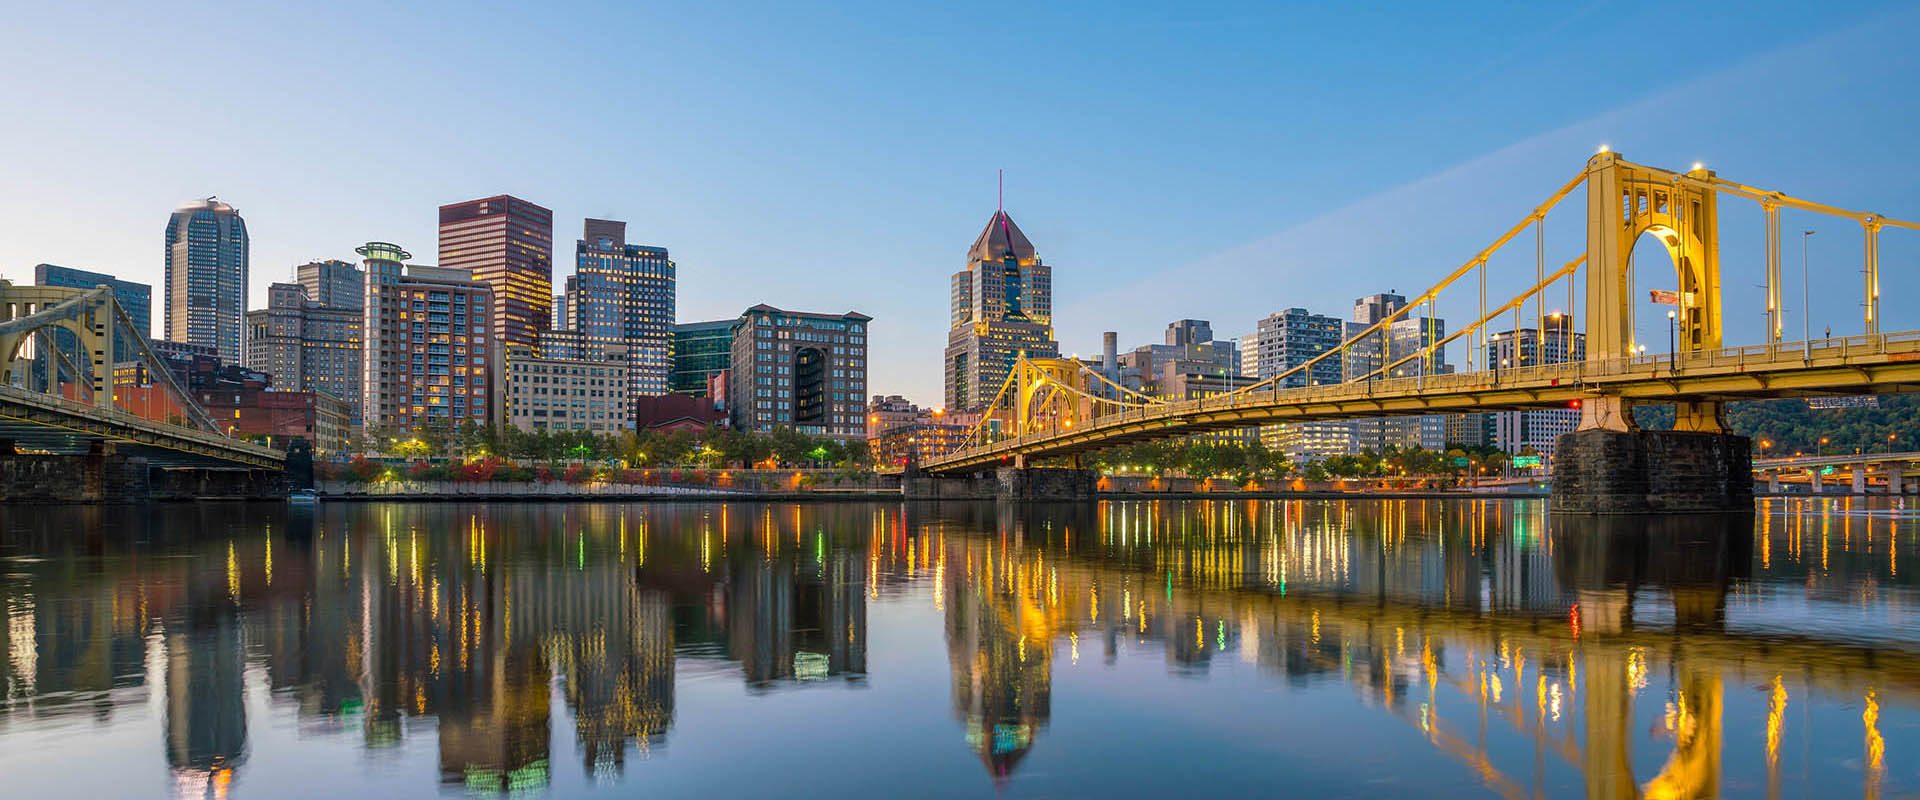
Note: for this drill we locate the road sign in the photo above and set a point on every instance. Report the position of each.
(1459, 461)
(1526, 461)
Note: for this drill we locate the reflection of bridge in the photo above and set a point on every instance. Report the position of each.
(64, 390)
(1055, 408)
(1554, 638)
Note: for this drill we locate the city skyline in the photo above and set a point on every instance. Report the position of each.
(1128, 220)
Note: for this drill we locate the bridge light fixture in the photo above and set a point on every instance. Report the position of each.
(1605, 149)
(1697, 166)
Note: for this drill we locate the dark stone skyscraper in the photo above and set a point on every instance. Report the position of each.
(206, 276)
(1002, 309)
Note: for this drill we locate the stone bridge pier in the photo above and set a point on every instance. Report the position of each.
(1599, 471)
(1016, 483)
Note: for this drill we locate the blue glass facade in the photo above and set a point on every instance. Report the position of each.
(136, 298)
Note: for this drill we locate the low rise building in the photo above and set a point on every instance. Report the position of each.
(279, 417)
(566, 394)
(916, 443)
(677, 412)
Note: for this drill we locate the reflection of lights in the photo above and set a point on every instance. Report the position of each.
(1776, 717)
(1876, 745)
(233, 573)
(1553, 704)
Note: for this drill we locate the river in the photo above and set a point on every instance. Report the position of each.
(1338, 648)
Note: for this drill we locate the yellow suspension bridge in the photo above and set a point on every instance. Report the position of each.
(1057, 408)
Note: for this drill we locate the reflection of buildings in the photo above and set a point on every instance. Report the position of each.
(797, 616)
(206, 716)
(1448, 617)
(1000, 644)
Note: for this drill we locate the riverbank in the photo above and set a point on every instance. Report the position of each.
(565, 492)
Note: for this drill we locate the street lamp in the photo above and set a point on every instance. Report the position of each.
(1890, 438)
(1673, 348)
(1822, 449)
(1806, 310)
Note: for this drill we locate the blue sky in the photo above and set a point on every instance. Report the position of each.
(1218, 161)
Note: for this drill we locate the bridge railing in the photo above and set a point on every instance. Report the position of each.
(1833, 350)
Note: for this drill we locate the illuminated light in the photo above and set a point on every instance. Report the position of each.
(1605, 149)
(1697, 166)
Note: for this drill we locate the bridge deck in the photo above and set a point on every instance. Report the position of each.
(1882, 363)
(36, 421)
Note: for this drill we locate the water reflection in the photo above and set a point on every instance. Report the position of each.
(1672, 657)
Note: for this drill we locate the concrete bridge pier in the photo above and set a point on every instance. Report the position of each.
(1859, 479)
(1813, 476)
(1773, 481)
(1896, 478)
(1603, 471)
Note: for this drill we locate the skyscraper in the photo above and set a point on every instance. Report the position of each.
(622, 296)
(1399, 339)
(307, 346)
(1554, 342)
(1002, 309)
(507, 244)
(428, 353)
(701, 350)
(206, 276)
(334, 284)
(1288, 340)
(793, 369)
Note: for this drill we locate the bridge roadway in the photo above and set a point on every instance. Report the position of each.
(1878, 363)
(34, 421)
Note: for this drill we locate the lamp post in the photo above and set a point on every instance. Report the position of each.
(1673, 348)
(1822, 449)
(1806, 294)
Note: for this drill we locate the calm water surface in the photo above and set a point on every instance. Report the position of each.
(1264, 648)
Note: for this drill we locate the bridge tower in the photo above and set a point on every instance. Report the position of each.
(1624, 202)
(87, 314)
(1609, 465)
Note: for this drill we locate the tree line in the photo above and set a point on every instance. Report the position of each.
(712, 448)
